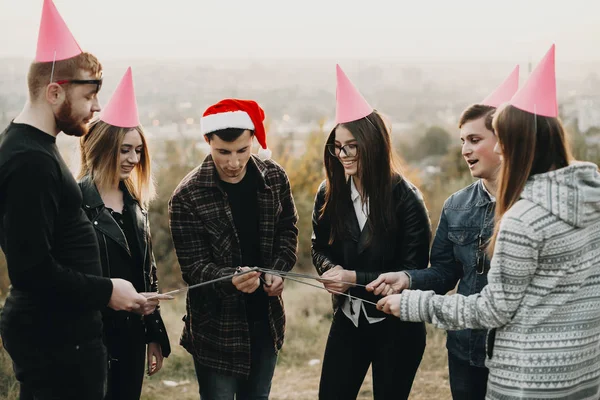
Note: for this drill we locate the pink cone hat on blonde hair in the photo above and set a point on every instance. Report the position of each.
(121, 109)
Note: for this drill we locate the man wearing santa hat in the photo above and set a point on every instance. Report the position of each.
(51, 324)
(233, 212)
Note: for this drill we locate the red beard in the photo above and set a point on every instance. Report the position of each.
(67, 124)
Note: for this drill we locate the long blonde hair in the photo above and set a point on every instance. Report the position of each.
(531, 144)
(100, 152)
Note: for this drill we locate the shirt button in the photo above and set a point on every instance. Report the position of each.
(95, 222)
(77, 347)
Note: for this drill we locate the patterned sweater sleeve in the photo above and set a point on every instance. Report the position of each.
(512, 268)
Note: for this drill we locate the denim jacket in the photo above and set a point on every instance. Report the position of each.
(458, 253)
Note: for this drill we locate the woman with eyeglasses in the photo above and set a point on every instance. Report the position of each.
(116, 184)
(367, 220)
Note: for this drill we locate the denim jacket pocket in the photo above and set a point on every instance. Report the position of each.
(465, 245)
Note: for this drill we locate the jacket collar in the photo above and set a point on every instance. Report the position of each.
(91, 195)
(483, 197)
(89, 191)
(105, 223)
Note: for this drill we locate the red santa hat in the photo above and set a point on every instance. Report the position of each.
(235, 113)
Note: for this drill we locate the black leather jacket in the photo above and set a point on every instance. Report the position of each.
(407, 248)
(108, 230)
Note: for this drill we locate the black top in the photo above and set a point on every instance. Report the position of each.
(243, 202)
(126, 263)
(50, 245)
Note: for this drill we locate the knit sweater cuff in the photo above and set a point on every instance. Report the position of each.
(414, 305)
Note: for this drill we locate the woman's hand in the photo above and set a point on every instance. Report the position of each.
(155, 358)
(390, 305)
(338, 279)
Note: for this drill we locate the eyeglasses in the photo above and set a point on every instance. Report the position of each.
(97, 82)
(350, 150)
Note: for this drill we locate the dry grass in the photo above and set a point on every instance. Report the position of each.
(308, 313)
(309, 317)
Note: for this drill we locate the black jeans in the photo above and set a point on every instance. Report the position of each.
(125, 340)
(45, 372)
(217, 386)
(467, 382)
(393, 347)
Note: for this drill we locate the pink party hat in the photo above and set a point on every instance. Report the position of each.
(538, 95)
(351, 106)
(505, 91)
(121, 109)
(55, 40)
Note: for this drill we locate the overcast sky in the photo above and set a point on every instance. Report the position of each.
(444, 30)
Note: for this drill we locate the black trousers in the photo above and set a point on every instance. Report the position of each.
(126, 344)
(467, 382)
(58, 373)
(393, 347)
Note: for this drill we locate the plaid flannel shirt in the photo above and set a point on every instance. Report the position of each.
(216, 330)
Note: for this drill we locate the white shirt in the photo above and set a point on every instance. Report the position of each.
(353, 307)
(492, 198)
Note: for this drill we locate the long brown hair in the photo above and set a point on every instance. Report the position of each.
(100, 152)
(378, 165)
(530, 144)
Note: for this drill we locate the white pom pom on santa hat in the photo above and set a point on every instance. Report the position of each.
(264, 154)
(236, 113)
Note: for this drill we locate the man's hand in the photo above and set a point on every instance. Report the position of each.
(390, 305)
(125, 298)
(155, 358)
(389, 283)
(332, 279)
(273, 285)
(152, 300)
(247, 283)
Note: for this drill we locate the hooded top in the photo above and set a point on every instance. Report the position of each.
(572, 194)
(543, 292)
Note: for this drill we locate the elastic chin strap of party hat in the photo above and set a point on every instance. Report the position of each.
(53, 63)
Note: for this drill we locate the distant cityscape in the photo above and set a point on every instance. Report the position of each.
(299, 96)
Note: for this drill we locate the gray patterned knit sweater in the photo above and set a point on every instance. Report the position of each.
(543, 292)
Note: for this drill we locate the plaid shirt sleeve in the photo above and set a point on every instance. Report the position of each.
(193, 249)
(286, 231)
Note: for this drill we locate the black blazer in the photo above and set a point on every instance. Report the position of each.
(108, 230)
(406, 248)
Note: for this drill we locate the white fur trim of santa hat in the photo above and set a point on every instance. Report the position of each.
(232, 119)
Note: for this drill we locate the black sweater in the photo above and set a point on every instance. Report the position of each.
(50, 245)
